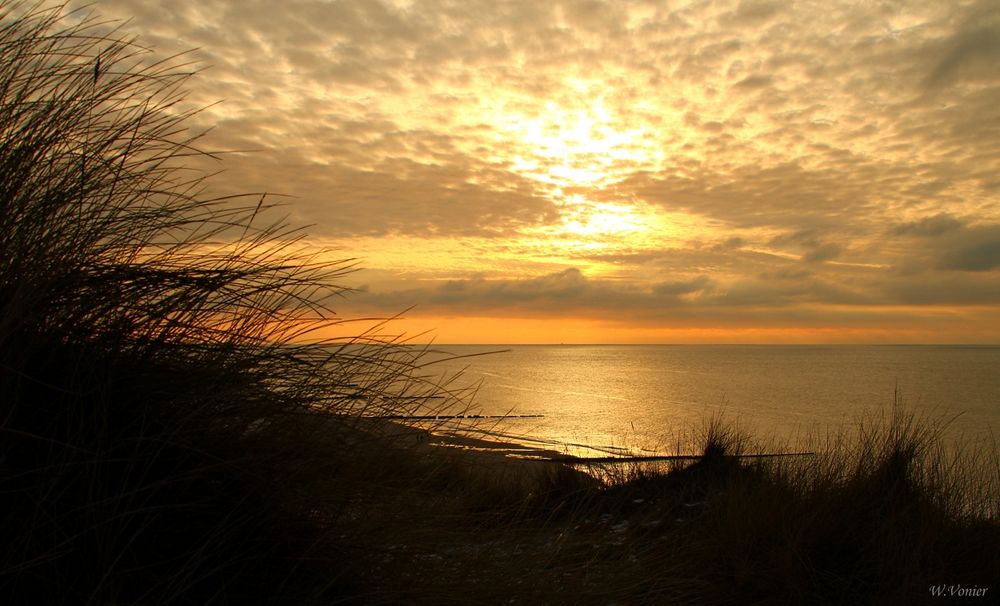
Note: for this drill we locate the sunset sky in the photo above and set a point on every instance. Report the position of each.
(588, 171)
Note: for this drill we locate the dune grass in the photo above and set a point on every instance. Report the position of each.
(879, 515)
(151, 345)
(166, 437)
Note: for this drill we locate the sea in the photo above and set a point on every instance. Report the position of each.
(657, 399)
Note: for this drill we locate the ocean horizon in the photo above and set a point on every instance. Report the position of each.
(654, 398)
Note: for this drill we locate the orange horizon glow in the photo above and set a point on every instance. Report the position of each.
(491, 330)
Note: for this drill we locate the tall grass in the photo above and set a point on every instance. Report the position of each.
(881, 515)
(152, 355)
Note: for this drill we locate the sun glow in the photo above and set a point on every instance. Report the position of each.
(577, 142)
(586, 227)
(584, 218)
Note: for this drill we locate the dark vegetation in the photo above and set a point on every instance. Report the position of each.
(165, 440)
(148, 365)
(877, 518)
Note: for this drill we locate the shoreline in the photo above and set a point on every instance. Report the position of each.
(436, 438)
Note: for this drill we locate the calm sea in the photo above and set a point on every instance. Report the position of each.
(653, 397)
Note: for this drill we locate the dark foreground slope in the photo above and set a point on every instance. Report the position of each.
(878, 518)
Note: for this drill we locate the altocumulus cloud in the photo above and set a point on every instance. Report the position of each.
(811, 115)
(843, 156)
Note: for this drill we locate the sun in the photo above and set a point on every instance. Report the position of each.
(576, 145)
(584, 218)
(585, 228)
(578, 140)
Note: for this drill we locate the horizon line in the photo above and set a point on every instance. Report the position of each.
(721, 344)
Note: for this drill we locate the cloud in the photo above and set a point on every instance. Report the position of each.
(971, 52)
(939, 288)
(936, 225)
(847, 127)
(730, 243)
(755, 81)
(978, 249)
(570, 292)
(566, 289)
(754, 12)
(782, 155)
(683, 287)
(947, 243)
(823, 252)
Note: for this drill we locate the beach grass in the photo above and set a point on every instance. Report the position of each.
(169, 436)
(880, 515)
(152, 344)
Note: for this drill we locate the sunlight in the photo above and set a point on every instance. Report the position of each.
(586, 228)
(575, 143)
(580, 140)
(585, 218)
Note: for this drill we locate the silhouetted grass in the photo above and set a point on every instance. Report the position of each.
(871, 519)
(151, 364)
(877, 516)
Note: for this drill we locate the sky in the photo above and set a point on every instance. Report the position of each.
(620, 172)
